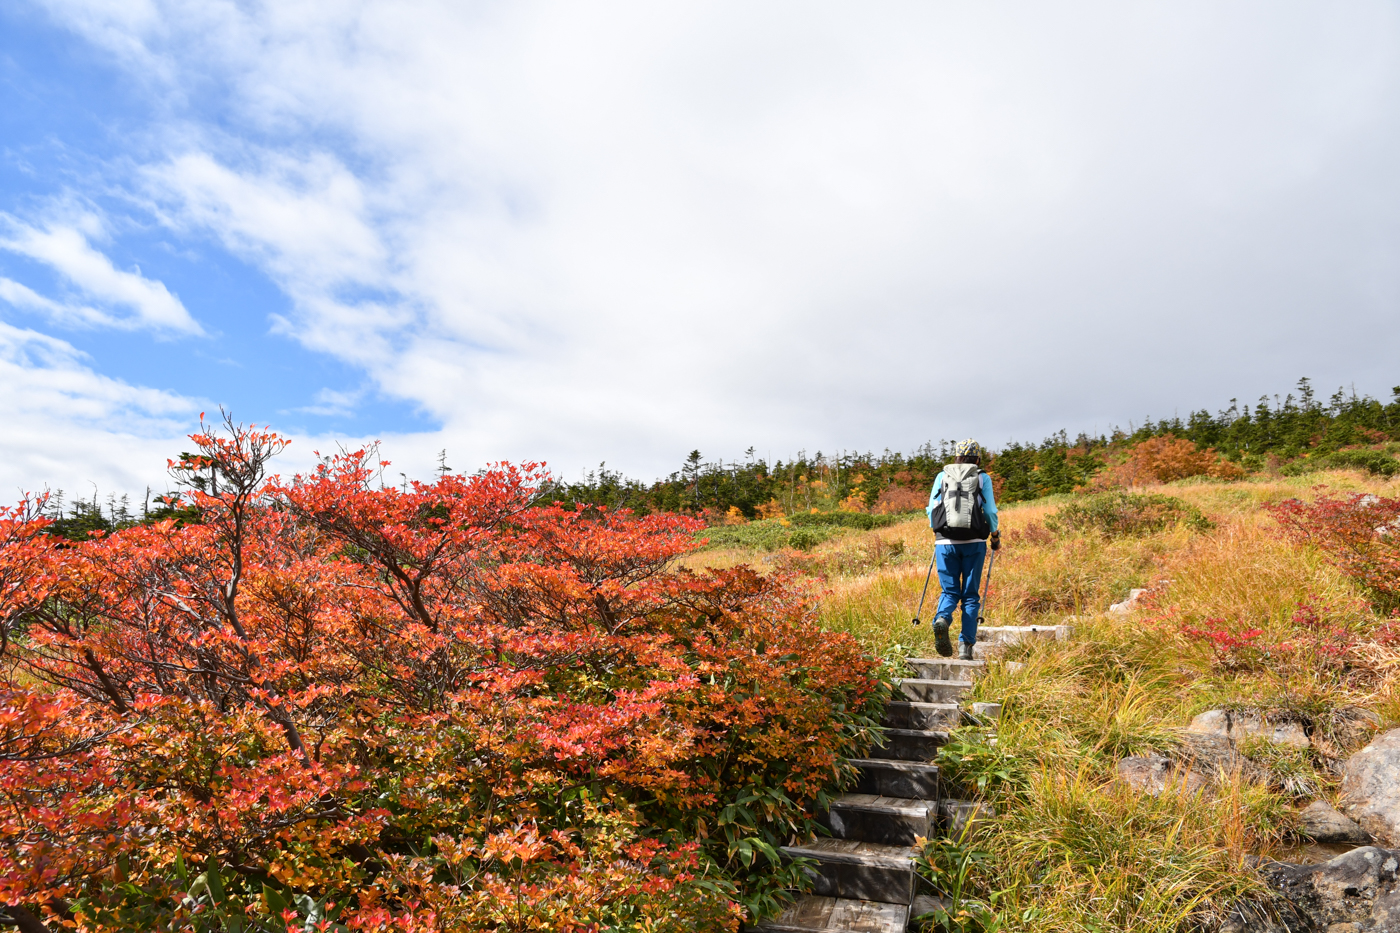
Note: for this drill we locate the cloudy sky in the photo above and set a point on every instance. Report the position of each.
(580, 232)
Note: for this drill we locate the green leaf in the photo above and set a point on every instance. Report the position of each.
(274, 900)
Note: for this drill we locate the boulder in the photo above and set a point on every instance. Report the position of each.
(1346, 889)
(1211, 722)
(1240, 726)
(1213, 755)
(1323, 823)
(1371, 788)
(1385, 915)
(1128, 604)
(1153, 774)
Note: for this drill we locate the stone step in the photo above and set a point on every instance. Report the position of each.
(910, 715)
(911, 744)
(945, 668)
(898, 778)
(864, 871)
(954, 816)
(934, 691)
(893, 821)
(815, 914)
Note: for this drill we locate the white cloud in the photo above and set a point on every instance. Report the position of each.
(624, 230)
(68, 426)
(130, 301)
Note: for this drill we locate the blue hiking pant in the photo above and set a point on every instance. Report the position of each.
(960, 576)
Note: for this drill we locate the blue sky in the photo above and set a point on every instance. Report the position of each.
(619, 231)
(74, 125)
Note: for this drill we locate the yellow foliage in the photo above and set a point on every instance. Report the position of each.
(770, 509)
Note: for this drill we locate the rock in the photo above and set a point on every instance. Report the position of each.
(1371, 788)
(1240, 726)
(1128, 604)
(1215, 755)
(1344, 928)
(1153, 774)
(1346, 889)
(1323, 823)
(1247, 725)
(989, 712)
(1211, 722)
(1352, 725)
(1385, 915)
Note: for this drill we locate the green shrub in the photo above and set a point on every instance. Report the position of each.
(803, 531)
(1119, 514)
(1376, 462)
(862, 520)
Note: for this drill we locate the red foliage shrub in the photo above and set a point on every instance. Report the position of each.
(1359, 534)
(1232, 648)
(894, 499)
(445, 708)
(1163, 459)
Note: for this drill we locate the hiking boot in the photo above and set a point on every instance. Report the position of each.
(940, 638)
(964, 651)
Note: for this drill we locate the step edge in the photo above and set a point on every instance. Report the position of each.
(893, 862)
(775, 927)
(897, 764)
(912, 806)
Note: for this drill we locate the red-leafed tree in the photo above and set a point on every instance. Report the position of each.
(447, 707)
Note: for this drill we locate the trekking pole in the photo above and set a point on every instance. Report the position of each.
(986, 591)
(928, 577)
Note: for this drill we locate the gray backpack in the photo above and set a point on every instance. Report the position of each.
(960, 515)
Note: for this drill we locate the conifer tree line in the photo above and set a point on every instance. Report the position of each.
(1292, 433)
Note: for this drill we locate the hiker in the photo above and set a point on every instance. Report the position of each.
(963, 515)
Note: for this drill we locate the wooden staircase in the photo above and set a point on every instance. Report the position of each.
(863, 873)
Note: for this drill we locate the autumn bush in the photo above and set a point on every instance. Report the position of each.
(1165, 459)
(327, 703)
(1359, 533)
(1117, 514)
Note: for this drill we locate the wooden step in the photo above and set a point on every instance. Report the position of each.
(898, 778)
(945, 668)
(815, 914)
(911, 744)
(865, 871)
(894, 821)
(921, 690)
(913, 715)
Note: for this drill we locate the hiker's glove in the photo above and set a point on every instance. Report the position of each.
(996, 541)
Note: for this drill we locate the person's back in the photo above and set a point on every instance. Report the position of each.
(962, 512)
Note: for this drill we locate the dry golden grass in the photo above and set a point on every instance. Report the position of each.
(1072, 848)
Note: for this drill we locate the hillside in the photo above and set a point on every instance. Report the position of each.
(1241, 613)
(467, 705)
